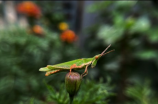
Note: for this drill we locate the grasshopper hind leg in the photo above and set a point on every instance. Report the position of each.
(85, 72)
(52, 72)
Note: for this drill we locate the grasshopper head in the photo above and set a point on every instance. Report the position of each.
(97, 57)
(94, 61)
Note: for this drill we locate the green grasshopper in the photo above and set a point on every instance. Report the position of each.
(74, 64)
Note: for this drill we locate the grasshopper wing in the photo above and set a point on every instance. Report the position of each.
(44, 69)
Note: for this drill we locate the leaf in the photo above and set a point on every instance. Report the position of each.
(126, 3)
(141, 92)
(110, 34)
(118, 20)
(152, 35)
(112, 66)
(147, 54)
(141, 25)
(98, 6)
(90, 92)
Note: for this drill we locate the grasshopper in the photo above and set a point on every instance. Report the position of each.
(74, 64)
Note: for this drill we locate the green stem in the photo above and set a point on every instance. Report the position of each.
(71, 98)
(31, 21)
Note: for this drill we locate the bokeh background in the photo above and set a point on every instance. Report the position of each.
(34, 34)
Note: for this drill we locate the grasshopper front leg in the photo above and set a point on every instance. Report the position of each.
(74, 66)
(85, 72)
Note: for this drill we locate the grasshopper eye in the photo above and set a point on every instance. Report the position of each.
(96, 57)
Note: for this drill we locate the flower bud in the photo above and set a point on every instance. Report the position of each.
(72, 82)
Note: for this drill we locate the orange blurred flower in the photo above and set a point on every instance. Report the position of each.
(29, 8)
(37, 29)
(68, 36)
(63, 26)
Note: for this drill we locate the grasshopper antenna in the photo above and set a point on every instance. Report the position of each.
(100, 55)
(103, 53)
(105, 50)
(108, 52)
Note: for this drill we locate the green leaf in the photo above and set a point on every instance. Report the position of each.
(152, 35)
(110, 34)
(98, 6)
(141, 25)
(118, 20)
(148, 54)
(126, 3)
(141, 93)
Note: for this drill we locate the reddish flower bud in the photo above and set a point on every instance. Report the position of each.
(29, 8)
(72, 82)
(68, 36)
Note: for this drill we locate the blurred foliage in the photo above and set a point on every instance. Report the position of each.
(24, 50)
(141, 93)
(22, 54)
(131, 27)
(91, 92)
(52, 14)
